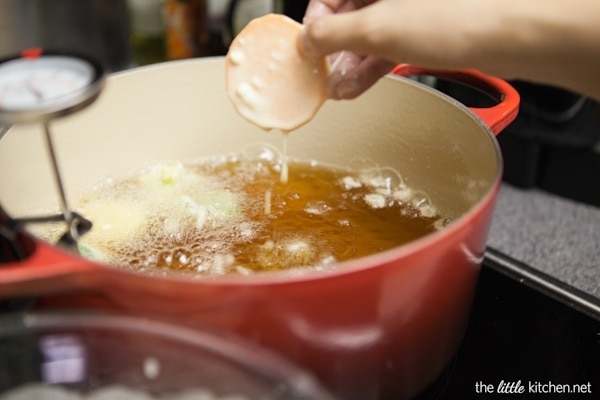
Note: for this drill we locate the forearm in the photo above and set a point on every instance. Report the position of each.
(552, 42)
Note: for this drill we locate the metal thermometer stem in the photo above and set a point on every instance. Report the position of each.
(68, 215)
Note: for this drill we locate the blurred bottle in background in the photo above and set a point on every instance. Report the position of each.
(167, 30)
(147, 26)
(186, 28)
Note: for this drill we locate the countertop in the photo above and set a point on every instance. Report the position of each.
(557, 236)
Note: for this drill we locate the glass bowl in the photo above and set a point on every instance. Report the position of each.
(98, 356)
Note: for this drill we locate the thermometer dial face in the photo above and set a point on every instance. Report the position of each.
(47, 85)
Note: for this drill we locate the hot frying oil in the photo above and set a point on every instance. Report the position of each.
(235, 215)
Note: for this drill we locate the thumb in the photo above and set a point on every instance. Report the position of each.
(332, 33)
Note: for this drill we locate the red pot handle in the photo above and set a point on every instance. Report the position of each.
(497, 117)
(44, 269)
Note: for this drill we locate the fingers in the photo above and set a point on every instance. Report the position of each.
(328, 34)
(343, 36)
(353, 75)
(363, 31)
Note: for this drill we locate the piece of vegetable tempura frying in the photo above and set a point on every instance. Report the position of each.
(268, 80)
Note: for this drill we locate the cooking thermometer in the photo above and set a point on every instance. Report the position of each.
(38, 86)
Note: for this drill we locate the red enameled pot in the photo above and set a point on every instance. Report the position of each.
(378, 327)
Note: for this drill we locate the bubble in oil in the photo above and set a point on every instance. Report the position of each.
(442, 223)
(350, 182)
(423, 204)
(387, 179)
(317, 208)
(376, 200)
(262, 152)
(403, 195)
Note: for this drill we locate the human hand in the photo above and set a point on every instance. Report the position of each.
(351, 73)
(545, 41)
(366, 38)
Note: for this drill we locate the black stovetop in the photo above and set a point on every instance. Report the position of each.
(528, 334)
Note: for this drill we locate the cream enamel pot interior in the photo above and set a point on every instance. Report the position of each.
(382, 326)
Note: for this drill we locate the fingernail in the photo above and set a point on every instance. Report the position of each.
(341, 86)
(347, 89)
(337, 62)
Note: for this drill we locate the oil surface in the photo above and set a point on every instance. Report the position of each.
(235, 215)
